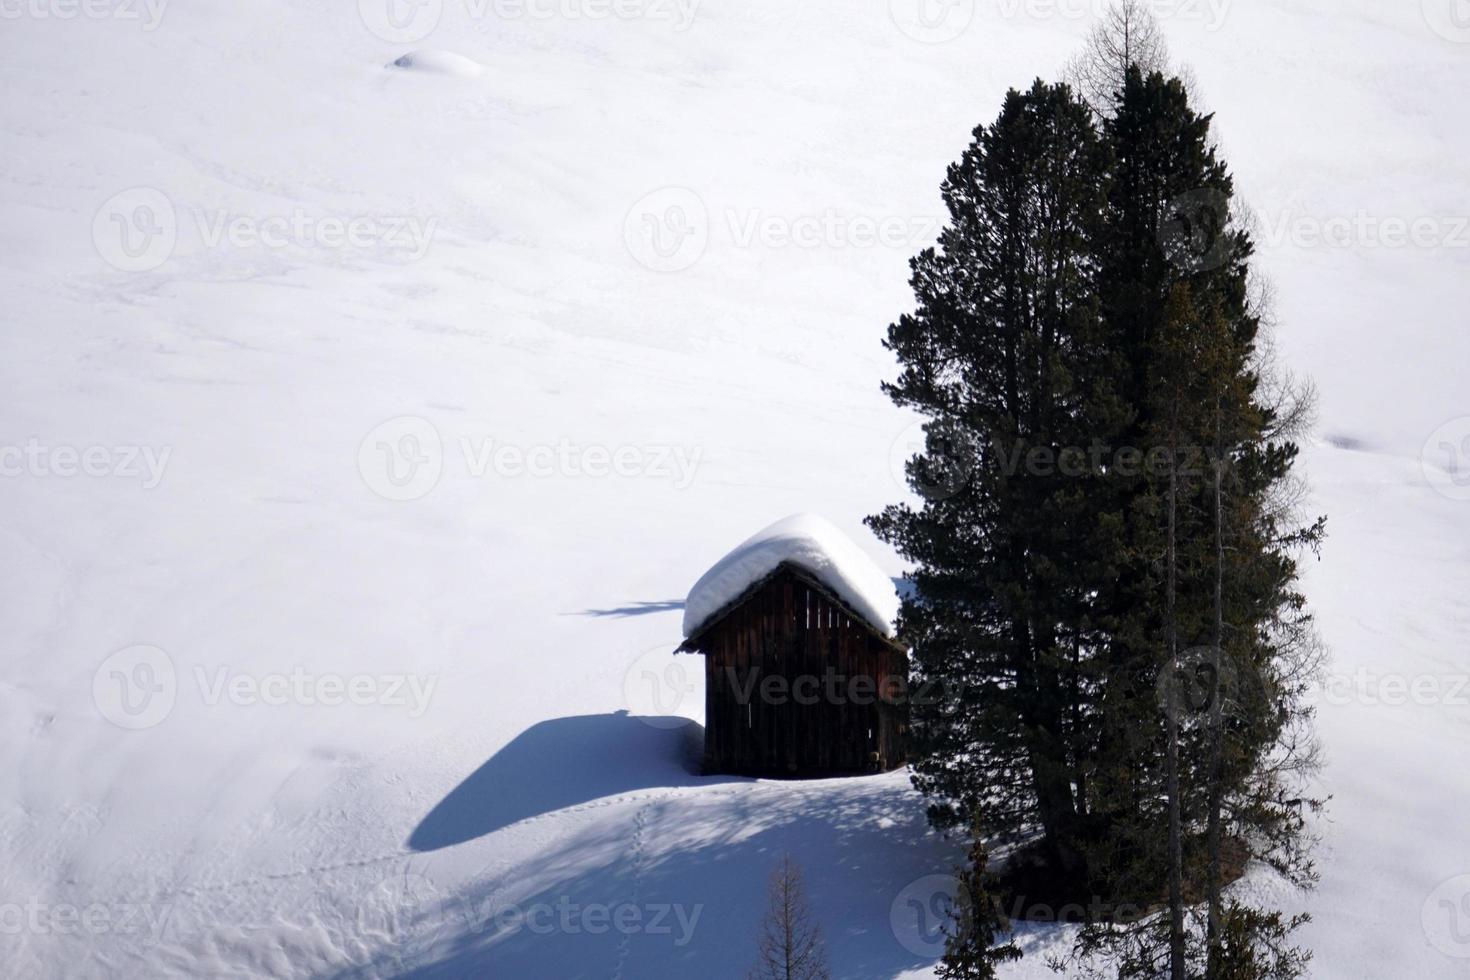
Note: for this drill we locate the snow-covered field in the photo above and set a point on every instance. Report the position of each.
(365, 425)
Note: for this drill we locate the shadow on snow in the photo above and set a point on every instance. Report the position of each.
(561, 763)
(690, 868)
(638, 609)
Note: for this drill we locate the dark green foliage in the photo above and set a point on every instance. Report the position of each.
(1255, 945)
(972, 949)
(1177, 295)
(1108, 648)
(1003, 354)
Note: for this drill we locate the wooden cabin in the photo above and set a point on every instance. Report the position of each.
(798, 683)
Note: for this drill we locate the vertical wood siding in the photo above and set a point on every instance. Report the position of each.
(789, 630)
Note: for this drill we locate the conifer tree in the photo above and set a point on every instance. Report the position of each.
(1003, 355)
(1113, 656)
(971, 949)
(1176, 298)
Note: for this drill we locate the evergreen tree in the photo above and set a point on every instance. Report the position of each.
(1004, 356)
(971, 951)
(1115, 654)
(1254, 945)
(1153, 308)
(1175, 295)
(1175, 367)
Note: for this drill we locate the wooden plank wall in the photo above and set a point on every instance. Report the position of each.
(789, 629)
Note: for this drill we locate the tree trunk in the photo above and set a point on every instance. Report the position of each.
(1217, 720)
(1171, 713)
(1050, 779)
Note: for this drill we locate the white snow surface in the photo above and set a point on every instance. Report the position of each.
(811, 543)
(471, 461)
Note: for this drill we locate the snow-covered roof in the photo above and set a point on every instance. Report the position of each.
(815, 546)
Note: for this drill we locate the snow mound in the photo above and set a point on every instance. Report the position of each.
(440, 62)
(812, 544)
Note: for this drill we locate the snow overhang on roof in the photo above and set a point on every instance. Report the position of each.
(815, 546)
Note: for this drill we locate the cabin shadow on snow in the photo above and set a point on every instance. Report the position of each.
(863, 844)
(641, 608)
(561, 763)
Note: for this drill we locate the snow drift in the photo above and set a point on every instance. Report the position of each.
(441, 63)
